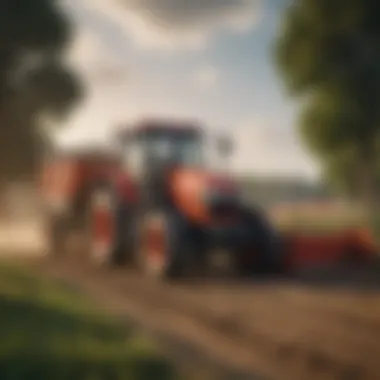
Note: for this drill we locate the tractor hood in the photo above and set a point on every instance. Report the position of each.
(198, 181)
(194, 190)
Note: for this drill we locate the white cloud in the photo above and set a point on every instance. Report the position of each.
(176, 24)
(85, 47)
(206, 77)
(89, 53)
(264, 149)
(94, 61)
(105, 77)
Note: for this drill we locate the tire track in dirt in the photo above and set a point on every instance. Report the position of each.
(308, 327)
(303, 327)
(274, 329)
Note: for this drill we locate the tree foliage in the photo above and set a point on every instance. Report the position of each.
(34, 79)
(342, 173)
(328, 53)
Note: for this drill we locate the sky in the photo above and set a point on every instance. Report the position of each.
(207, 60)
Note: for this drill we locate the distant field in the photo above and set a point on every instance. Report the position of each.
(317, 215)
(20, 226)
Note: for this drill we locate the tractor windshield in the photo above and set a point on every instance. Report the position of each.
(182, 147)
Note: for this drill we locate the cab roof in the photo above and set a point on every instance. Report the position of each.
(159, 124)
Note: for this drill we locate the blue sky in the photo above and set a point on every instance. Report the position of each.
(209, 60)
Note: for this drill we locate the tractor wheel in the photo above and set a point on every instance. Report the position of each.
(161, 245)
(106, 223)
(266, 245)
(222, 264)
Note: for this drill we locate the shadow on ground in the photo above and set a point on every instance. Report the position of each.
(351, 277)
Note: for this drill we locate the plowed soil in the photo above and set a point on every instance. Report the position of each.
(322, 326)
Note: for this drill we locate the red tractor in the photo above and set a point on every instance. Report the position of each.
(156, 205)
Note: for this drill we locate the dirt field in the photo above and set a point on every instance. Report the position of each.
(280, 329)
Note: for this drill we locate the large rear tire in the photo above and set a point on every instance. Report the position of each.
(266, 245)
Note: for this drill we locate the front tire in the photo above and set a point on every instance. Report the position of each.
(161, 245)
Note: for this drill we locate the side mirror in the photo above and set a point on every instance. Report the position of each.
(225, 145)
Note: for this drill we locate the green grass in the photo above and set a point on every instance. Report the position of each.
(48, 331)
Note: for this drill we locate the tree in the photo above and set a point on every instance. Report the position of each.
(328, 53)
(342, 174)
(34, 79)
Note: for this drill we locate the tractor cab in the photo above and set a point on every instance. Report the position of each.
(163, 157)
(156, 142)
(153, 151)
(155, 146)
